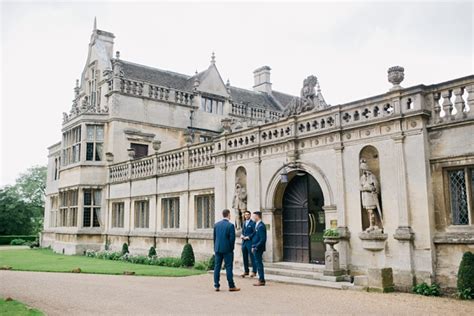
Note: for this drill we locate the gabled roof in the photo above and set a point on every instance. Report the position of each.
(276, 101)
(156, 76)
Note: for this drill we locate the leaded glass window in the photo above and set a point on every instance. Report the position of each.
(461, 195)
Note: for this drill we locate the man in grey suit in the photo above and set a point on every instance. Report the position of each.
(224, 241)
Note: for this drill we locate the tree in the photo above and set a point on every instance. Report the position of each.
(31, 188)
(22, 205)
(15, 214)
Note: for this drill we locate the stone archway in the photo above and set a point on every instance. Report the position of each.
(274, 197)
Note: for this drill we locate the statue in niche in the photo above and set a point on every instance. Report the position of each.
(369, 187)
(239, 204)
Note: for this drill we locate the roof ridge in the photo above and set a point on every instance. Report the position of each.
(154, 68)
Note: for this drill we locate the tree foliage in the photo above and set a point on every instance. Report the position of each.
(22, 205)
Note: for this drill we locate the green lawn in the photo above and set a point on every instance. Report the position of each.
(45, 260)
(15, 308)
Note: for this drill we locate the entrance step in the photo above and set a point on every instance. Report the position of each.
(301, 274)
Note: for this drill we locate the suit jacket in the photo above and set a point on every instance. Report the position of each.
(224, 236)
(259, 239)
(248, 231)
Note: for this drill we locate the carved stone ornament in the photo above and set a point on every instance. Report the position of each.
(310, 99)
(369, 188)
(396, 75)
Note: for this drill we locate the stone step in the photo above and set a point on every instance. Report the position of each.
(311, 267)
(344, 285)
(302, 274)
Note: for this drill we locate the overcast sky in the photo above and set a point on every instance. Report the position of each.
(348, 46)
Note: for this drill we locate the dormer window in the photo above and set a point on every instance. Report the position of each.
(212, 105)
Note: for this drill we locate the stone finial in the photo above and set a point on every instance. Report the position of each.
(213, 58)
(95, 23)
(117, 54)
(396, 74)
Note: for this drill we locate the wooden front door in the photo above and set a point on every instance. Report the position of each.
(296, 240)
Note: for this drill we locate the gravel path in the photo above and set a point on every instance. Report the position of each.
(87, 294)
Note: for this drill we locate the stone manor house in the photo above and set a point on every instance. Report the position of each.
(150, 157)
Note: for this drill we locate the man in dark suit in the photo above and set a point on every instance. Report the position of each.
(248, 230)
(224, 241)
(259, 240)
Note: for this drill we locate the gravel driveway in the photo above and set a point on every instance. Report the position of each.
(87, 294)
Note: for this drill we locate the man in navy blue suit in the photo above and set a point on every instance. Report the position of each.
(248, 229)
(224, 241)
(259, 240)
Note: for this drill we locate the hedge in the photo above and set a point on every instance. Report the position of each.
(5, 240)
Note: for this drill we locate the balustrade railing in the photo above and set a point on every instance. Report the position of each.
(443, 103)
(197, 156)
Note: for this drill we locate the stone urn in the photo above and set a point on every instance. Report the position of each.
(331, 257)
(331, 241)
(396, 75)
(131, 153)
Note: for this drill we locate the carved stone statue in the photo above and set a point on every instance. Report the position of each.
(239, 204)
(310, 98)
(370, 189)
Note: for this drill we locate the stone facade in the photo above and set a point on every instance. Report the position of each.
(150, 158)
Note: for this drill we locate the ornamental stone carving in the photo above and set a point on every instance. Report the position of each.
(369, 188)
(396, 75)
(310, 99)
(239, 202)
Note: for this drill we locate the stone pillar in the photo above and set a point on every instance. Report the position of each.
(267, 218)
(341, 207)
(404, 233)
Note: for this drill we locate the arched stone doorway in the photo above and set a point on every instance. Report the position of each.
(303, 219)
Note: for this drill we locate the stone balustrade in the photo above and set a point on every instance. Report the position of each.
(442, 103)
(192, 157)
(242, 110)
(144, 89)
(451, 101)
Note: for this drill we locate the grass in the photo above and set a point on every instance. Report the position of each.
(15, 308)
(44, 260)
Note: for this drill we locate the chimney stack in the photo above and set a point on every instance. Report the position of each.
(262, 79)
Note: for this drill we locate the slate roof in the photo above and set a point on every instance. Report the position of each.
(276, 101)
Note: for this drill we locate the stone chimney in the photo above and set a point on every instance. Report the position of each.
(262, 79)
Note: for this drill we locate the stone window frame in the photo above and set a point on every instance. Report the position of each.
(95, 142)
(468, 175)
(207, 105)
(71, 145)
(68, 208)
(210, 214)
(120, 221)
(94, 206)
(54, 210)
(141, 215)
(165, 211)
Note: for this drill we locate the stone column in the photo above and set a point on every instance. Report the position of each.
(404, 233)
(341, 207)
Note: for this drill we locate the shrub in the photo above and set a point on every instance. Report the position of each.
(6, 240)
(211, 263)
(125, 249)
(90, 253)
(466, 276)
(152, 252)
(427, 290)
(169, 262)
(331, 232)
(187, 256)
(17, 242)
(32, 244)
(201, 265)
